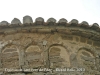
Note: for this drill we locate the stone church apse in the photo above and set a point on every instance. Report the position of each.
(61, 48)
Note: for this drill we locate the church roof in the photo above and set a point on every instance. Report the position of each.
(51, 25)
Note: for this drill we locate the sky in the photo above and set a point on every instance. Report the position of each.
(82, 10)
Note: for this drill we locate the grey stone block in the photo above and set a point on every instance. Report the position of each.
(95, 26)
(27, 19)
(15, 21)
(84, 24)
(62, 20)
(74, 21)
(51, 20)
(4, 23)
(39, 19)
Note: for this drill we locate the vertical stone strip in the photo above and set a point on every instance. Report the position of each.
(1, 46)
(21, 56)
(97, 61)
(0, 58)
(47, 57)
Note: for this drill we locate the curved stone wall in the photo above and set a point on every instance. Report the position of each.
(49, 45)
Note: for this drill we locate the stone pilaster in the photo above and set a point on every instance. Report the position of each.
(21, 56)
(46, 57)
(0, 58)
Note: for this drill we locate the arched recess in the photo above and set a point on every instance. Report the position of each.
(86, 59)
(10, 56)
(34, 56)
(58, 57)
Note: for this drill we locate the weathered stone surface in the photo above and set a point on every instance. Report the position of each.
(4, 23)
(16, 21)
(10, 32)
(51, 21)
(89, 42)
(44, 30)
(74, 22)
(77, 39)
(39, 21)
(9, 37)
(83, 40)
(96, 43)
(27, 19)
(65, 37)
(63, 20)
(95, 26)
(18, 74)
(58, 55)
(10, 59)
(49, 47)
(72, 56)
(87, 59)
(21, 56)
(33, 56)
(85, 24)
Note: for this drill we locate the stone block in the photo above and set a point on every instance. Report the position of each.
(44, 30)
(77, 39)
(95, 26)
(84, 24)
(62, 21)
(83, 40)
(73, 22)
(27, 20)
(64, 31)
(67, 37)
(86, 54)
(4, 23)
(96, 43)
(10, 32)
(89, 41)
(9, 37)
(38, 73)
(90, 59)
(18, 74)
(51, 21)
(72, 56)
(39, 21)
(15, 21)
(33, 30)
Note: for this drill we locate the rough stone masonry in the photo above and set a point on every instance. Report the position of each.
(49, 48)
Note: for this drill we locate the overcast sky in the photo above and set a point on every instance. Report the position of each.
(82, 10)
